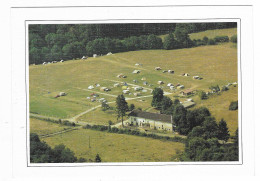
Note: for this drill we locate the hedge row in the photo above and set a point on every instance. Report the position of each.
(133, 132)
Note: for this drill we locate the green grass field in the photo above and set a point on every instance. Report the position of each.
(210, 33)
(116, 147)
(41, 127)
(215, 64)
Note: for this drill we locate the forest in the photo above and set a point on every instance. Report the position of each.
(53, 42)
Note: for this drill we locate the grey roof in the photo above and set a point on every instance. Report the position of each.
(188, 104)
(152, 116)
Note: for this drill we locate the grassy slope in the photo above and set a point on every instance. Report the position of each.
(213, 33)
(210, 33)
(43, 127)
(115, 147)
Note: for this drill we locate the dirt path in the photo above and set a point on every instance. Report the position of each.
(56, 133)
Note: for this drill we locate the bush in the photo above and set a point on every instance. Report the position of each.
(221, 39)
(233, 105)
(203, 95)
(224, 88)
(234, 39)
(211, 42)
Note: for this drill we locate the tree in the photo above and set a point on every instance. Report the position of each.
(131, 107)
(205, 40)
(211, 42)
(203, 95)
(223, 133)
(169, 42)
(121, 107)
(154, 42)
(61, 154)
(157, 98)
(233, 105)
(233, 39)
(97, 159)
(211, 128)
(165, 104)
(104, 106)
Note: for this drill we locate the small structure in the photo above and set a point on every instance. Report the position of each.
(171, 71)
(188, 104)
(102, 100)
(54, 61)
(164, 71)
(185, 74)
(157, 68)
(97, 85)
(151, 120)
(121, 76)
(138, 64)
(125, 84)
(180, 87)
(84, 57)
(138, 88)
(186, 92)
(136, 72)
(109, 53)
(137, 94)
(169, 84)
(116, 85)
(172, 87)
(190, 100)
(94, 55)
(124, 87)
(62, 94)
(160, 82)
(135, 81)
(61, 61)
(44, 63)
(91, 87)
(126, 91)
(143, 78)
(104, 89)
(145, 83)
(197, 77)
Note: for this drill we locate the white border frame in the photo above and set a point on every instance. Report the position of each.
(19, 15)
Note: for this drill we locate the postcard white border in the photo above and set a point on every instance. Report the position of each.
(20, 15)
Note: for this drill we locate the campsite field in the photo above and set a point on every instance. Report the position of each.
(116, 147)
(216, 64)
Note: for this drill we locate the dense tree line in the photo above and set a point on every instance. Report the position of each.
(202, 130)
(50, 42)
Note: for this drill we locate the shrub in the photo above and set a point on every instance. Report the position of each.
(211, 42)
(224, 88)
(220, 39)
(233, 105)
(203, 95)
(234, 39)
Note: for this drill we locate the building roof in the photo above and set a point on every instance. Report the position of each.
(187, 91)
(188, 104)
(152, 116)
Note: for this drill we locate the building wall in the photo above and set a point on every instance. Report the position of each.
(152, 124)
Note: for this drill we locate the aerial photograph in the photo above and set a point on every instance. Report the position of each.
(133, 92)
